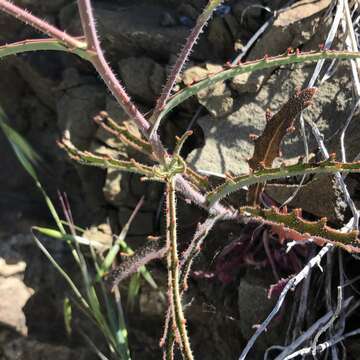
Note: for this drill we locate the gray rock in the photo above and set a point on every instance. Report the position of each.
(227, 144)
(42, 6)
(143, 78)
(254, 306)
(302, 22)
(76, 108)
(126, 32)
(216, 99)
(29, 349)
(220, 38)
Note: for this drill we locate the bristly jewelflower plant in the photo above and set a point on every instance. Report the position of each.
(171, 169)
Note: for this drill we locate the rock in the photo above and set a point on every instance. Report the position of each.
(12, 88)
(17, 294)
(101, 234)
(195, 73)
(76, 108)
(112, 187)
(9, 29)
(12, 267)
(8, 269)
(300, 23)
(216, 99)
(132, 34)
(220, 38)
(254, 306)
(29, 349)
(41, 6)
(188, 10)
(42, 84)
(167, 20)
(142, 225)
(152, 302)
(248, 16)
(328, 199)
(227, 145)
(143, 78)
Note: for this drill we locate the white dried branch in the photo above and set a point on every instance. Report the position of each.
(291, 285)
(322, 347)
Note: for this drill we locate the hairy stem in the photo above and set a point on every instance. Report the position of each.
(173, 270)
(99, 62)
(252, 66)
(40, 24)
(88, 25)
(182, 58)
(41, 44)
(261, 176)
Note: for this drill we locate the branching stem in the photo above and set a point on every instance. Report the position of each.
(40, 24)
(103, 68)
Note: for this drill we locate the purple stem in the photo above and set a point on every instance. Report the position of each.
(41, 25)
(179, 64)
(103, 68)
(98, 60)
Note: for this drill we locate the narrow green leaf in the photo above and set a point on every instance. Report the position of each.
(28, 157)
(133, 289)
(68, 238)
(67, 315)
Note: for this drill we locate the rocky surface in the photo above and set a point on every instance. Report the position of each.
(48, 95)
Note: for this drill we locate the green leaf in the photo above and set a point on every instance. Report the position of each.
(28, 158)
(42, 44)
(67, 315)
(133, 289)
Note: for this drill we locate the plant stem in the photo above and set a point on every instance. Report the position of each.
(103, 68)
(173, 270)
(252, 66)
(235, 183)
(41, 44)
(181, 59)
(40, 24)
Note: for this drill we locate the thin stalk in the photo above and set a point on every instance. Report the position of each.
(182, 58)
(174, 271)
(99, 62)
(252, 66)
(39, 24)
(235, 183)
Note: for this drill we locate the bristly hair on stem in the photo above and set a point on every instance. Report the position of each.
(177, 312)
(103, 68)
(181, 60)
(41, 25)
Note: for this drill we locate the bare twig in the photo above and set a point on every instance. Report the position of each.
(322, 347)
(330, 322)
(309, 332)
(292, 283)
(315, 130)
